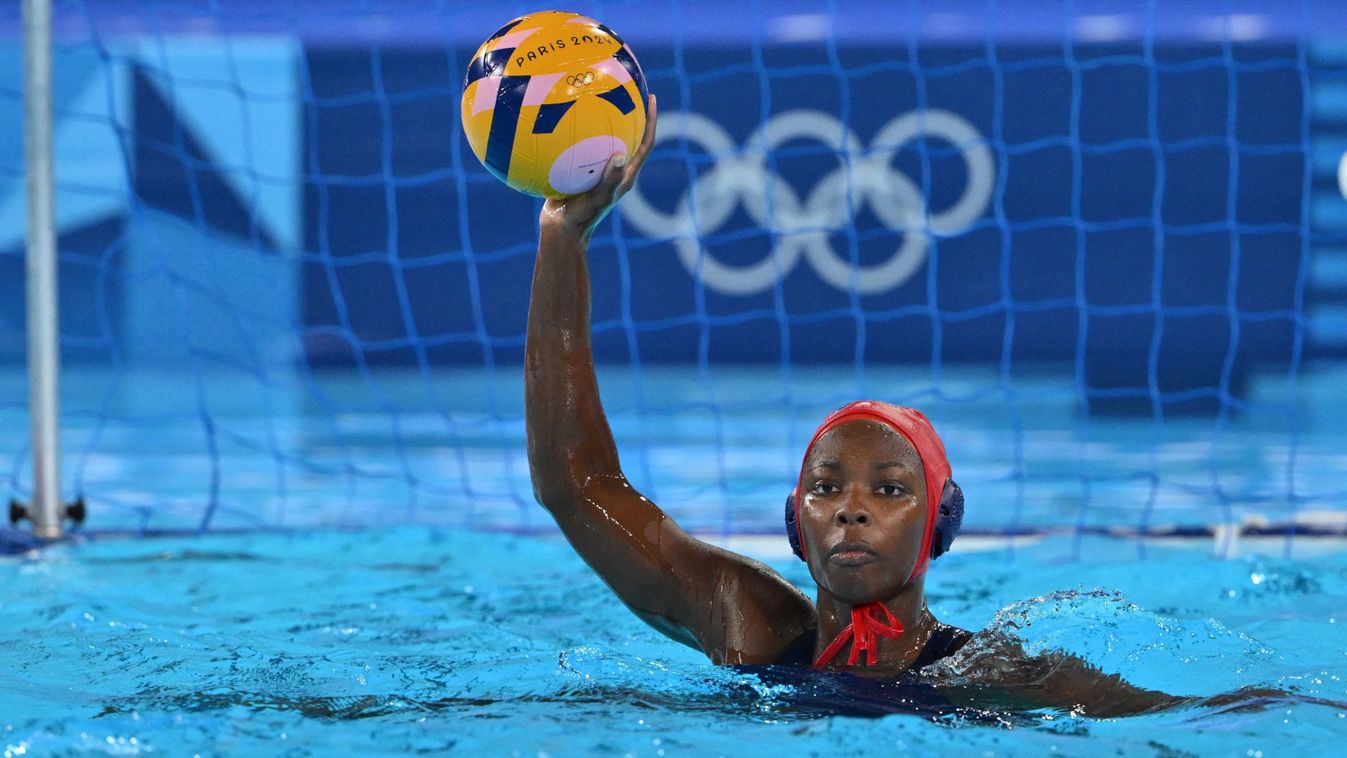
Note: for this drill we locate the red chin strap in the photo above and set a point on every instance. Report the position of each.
(866, 625)
(917, 430)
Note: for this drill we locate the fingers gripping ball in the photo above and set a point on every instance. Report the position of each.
(549, 98)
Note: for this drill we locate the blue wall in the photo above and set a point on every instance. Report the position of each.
(1140, 225)
(1134, 224)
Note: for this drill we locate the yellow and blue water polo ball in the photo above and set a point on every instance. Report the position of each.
(549, 98)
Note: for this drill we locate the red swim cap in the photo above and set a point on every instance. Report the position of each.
(917, 430)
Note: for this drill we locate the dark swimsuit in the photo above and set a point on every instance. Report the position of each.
(837, 693)
(943, 642)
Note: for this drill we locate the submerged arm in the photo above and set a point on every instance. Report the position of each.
(1071, 683)
(997, 671)
(697, 594)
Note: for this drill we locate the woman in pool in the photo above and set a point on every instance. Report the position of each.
(873, 504)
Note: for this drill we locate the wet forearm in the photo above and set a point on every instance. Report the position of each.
(568, 435)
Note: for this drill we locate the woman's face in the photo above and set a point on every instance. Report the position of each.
(863, 511)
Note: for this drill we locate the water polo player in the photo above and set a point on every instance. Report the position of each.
(873, 505)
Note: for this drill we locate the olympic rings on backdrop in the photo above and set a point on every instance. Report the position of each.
(801, 226)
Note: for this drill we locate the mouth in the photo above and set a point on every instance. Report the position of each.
(852, 554)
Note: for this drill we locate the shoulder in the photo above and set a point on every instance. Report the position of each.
(985, 656)
(993, 657)
(759, 616)
(945, 640)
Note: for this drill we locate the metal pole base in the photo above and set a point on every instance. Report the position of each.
(74, 511)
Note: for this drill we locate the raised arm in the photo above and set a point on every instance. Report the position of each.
(734, 609)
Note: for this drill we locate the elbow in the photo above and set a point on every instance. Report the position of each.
(544, 475)
(554, 486)
(549, 487)
(552, 495)
(561, 474)
(566, 492)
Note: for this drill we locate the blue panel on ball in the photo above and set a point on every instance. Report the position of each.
(620, 98)
(629, 63)
(487, 64)
(504, 30)
(549, 115)
(504, 123)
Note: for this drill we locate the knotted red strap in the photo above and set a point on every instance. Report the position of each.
(865, 625)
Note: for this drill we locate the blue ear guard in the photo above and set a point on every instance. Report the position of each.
(948, 519)
(792, 530)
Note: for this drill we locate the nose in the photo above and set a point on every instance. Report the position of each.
(851, 512)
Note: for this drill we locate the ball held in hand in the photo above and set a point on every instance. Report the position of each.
(549, 98)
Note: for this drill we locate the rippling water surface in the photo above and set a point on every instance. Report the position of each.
(417, 638)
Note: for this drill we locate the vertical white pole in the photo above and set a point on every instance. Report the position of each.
(1342, 176)
(44, 353)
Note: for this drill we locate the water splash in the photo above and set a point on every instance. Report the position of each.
(1114, 634)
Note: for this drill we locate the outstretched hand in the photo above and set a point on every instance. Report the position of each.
(581, 213)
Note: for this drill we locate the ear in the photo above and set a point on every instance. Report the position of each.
(793, 527)
(948, 519)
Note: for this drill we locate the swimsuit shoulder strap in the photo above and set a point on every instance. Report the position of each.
(801, 651)
(943, 642)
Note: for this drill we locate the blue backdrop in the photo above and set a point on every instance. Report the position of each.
(1143, 221)
(1140, 216)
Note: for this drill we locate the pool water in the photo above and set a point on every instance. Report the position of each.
(301, 563)
(421, 638)
(210, 450)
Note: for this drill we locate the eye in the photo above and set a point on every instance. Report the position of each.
(823, 487)
(891, 490)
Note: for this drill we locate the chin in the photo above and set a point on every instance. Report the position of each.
(859, 590)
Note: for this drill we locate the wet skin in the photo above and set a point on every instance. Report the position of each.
(862, 515)
(863, 511)
(734, 609)
(729, 606)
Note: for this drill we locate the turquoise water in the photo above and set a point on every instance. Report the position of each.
(285, 563)
(226, 449)
(425, 639)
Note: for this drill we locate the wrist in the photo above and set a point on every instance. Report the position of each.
(560, 231)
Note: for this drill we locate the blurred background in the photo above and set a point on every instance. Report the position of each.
(1102, 244)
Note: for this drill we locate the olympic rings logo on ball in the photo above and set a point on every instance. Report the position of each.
(802, 225)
